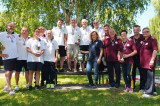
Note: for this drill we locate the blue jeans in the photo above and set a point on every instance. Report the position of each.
(127, 74)
(49, 68)
(111, 65)
(95, 67)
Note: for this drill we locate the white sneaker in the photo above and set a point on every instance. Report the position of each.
(11, 92)
(146, 95)
(17, 87)
(126, 89)
(155, 93)
(141, 90)
(27, 86)
(75, 70)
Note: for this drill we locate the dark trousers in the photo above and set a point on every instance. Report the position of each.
(135, 66)
(149, 81)
(114, 65)
(49, 68)
(43, 75)
(127, 74)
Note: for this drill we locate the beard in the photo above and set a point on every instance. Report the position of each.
(10, 30)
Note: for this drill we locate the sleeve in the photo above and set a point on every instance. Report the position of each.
(53, 31)
(120, 45)
(43, 45)
(56, 45)
(133, 46)
(65, 31)
(154, 44)
(28, 44)
(100, 44)
(1, 37)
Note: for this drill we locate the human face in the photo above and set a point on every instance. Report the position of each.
(24, 31)
(49, 34)
(73, 21)
(10, 28)
(94, 36)
(146, 33)
(36, 33)
(124, 35)
(136, 30)
(59, 23)
(112, 33)
(42, 29)
(106, 29)
(84, 23)
(95, 24)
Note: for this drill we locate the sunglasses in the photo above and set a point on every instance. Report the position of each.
(95, 23)
(146, 32)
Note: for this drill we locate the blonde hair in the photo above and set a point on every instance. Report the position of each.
(90, 36)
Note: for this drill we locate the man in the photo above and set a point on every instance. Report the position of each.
(22, 57)
(137, 38)
(73, 32)
(9, 54)
(60, 35)
(84, 41)
(106, 32)
(98, 29)
(111, 45)
(148, 60)
(50, 58)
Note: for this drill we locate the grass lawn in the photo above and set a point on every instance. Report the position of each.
(82, 97)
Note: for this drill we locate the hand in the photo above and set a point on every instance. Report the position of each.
(125, 56)
(37, 54)
(77, 44)
(56, 60)
(65, 47)
(4, 55)
(151, 64)
(153, 37)
(2, 47)
(98, 61)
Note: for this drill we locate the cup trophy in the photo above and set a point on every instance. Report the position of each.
(38, 49)
(78, 40)
(122, 59)
(80, 59)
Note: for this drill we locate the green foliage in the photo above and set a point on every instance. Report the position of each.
(120, 14)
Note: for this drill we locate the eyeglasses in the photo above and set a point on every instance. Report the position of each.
(41, 29)
(36, 31)
(95, 23)
(146, 31)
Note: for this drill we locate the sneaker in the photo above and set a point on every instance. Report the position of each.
(130, 90)
(90, 85)
(142, 90)
(37, 87)
(48, 86)
(30, 88)
(52, 86)
(155, 93)
(126, 90)
(75, 70)
(27, 86)
(17, 87)
(95, 86)
(69, 70)
(11, 92)
(146, 95)
(62, 70)
(5, 90)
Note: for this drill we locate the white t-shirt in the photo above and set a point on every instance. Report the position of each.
(43, 38)
(73, 33)
(59, 35)
(51, 47)
(85, 35)
(21, 48)
(9, 42)
(36, 46)
(100, 32)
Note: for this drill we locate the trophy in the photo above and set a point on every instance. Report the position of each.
(80, 58)
(122, 59)
(38, 49)
(78, 40)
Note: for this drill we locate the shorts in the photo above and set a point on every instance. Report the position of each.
(35, 66)
(10, 64)
(21, 64)
(62, 51)
(74, 48)
(84, 47)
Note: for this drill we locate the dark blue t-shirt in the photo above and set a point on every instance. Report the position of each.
(94, 50)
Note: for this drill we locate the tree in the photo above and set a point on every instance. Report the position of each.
(113, 12)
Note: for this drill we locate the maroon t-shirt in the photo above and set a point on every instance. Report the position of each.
(137, 42)
(127, 48)
(112, 47)
(146, 50)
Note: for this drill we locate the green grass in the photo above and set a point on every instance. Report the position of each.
(81, 97)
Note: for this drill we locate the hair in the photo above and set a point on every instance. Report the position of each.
(146, 28)
(106, 25)
(59, 20)
(123, 31)
(136, 26)
(90, 36)
(35, 29)
(84, 20)
(42, 27)
(10, 23)
(24, 27)
(112, 29)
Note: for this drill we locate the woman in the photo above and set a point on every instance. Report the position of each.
(36, 48)
(94, 59)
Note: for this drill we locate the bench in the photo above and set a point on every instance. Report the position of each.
(101, 75)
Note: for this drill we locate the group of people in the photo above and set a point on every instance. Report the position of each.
(40, 52)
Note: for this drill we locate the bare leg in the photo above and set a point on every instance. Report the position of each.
(17, 77)
(8, 75)
(61, 62)
(27, 76)
(75, 63)
(30, 77)
(37, 77)
(69, 60)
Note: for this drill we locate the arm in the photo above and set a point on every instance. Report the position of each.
(65, 41)
(118, 55)
(103, 38)
(100, 56)
(130, 55)
(56, 59)
(154, 54)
